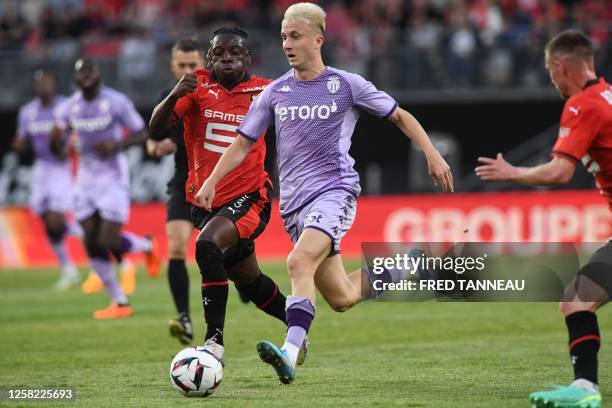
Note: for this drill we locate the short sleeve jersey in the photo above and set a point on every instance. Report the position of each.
(211, 114)
(103, 118)
(585, 133)
(314, 120)
(34, 124)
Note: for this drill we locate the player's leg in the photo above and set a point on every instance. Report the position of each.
(591, 289)
(51, 197)
(102, 264)
(256, 286)
(56, 229)
(179, 232)
(216, 237)
(114, 206)
(339, 289)
(308, 254)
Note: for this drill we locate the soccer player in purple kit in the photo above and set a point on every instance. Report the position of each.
(315, 109)
(99, 115)
(51, 189)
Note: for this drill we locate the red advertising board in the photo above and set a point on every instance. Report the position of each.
(555, 216)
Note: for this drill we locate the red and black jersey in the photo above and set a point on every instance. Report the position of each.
(211, 114)
(585, 133)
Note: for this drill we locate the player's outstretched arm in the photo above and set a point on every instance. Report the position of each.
(556, 171)
(232, 157)
(439, 170)
(163, 117)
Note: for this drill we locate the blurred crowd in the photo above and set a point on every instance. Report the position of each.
(441, 42)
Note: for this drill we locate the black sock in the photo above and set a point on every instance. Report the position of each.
(178, 279)
(214, 288)
(584, 344)
(266, 295)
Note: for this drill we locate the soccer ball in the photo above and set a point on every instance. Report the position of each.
(195, 372)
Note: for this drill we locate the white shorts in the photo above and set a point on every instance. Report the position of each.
(332, 213)
(51, 188)
(111, 200)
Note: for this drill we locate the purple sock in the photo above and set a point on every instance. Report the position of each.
(131, 242)
(300, 313)
(106, 271)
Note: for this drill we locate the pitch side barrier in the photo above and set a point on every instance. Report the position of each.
(541, 218)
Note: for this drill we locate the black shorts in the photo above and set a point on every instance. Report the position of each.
(177, 207)
(599, 268)
(250, 213)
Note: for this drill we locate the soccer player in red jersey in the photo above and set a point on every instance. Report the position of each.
(212, 105)
(585, 135)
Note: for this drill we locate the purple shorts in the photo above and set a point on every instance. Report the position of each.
(51, 188)
(111, 200)
(332, 213)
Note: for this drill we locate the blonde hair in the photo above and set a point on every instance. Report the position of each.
(310, 12)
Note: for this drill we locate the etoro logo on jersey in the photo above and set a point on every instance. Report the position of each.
(222, 133)
(305, 112)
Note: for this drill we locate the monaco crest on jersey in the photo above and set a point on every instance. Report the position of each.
(333, 84)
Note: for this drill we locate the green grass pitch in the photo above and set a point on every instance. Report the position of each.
(377, 354)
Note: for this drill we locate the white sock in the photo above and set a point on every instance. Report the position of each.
(585, 385)
(292, 350)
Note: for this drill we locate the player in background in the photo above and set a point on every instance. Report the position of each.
(585, 135)
(51, 188)
(212, 106)
(187, 57)
(99, 115)
(315, 109)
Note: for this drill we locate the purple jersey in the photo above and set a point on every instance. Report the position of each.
(103, 118)
(34, 124)
(314, 122)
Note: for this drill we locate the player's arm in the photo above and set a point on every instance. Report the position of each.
(231, 159)
(439, 170)
(163, 116)
(557, 171)
(21, 142)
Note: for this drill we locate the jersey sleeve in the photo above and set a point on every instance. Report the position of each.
(22, 130)
(369, 98)
(259, 117)
(578, 128)
(128, 115)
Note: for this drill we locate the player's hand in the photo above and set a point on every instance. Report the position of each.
(440, 171)
(497, 169)
(165, 147)
(187, 84)
(206, 195)
(73, 142)
(106, 148)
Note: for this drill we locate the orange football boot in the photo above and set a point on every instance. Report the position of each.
(93, 284)
(153, 259)
(114, 311)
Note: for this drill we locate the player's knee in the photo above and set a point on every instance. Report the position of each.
(208, 255)
(177, 249)
(299, 263)
(55, 231)
(340, 304)
(106, 242)
(94, 250)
